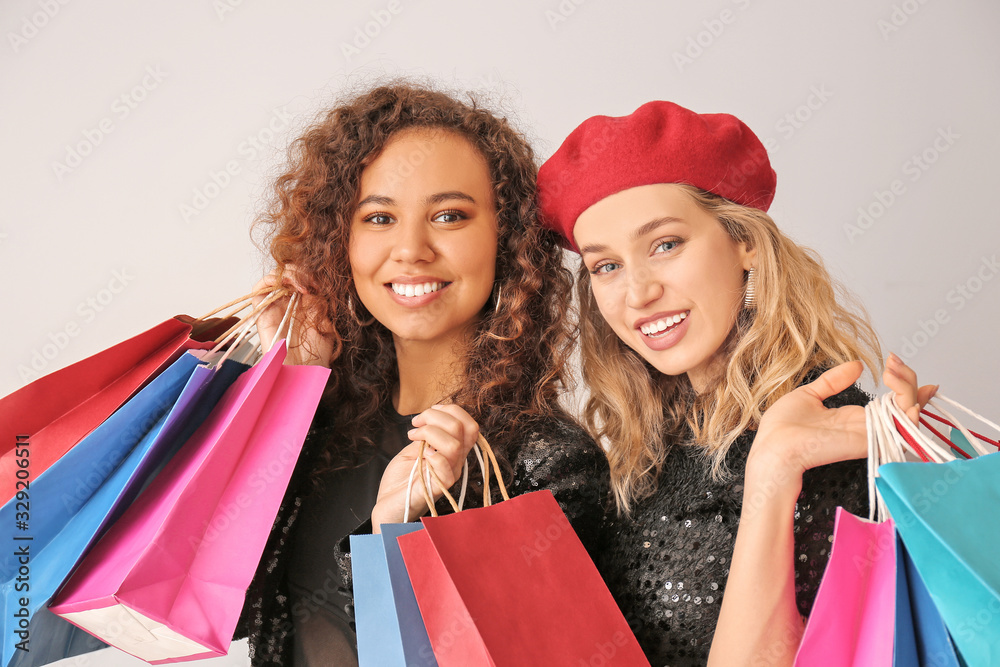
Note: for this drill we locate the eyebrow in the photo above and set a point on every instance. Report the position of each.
(436, 198)
(644, 229)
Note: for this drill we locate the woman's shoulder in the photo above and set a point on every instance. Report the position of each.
(557, 436)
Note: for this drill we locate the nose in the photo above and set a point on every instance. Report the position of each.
(412, 242)
(642, 288)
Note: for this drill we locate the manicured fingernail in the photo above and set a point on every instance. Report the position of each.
(893, 358)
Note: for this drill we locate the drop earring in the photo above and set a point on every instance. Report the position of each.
(751, 290)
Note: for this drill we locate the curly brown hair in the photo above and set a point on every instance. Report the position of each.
(515, 359)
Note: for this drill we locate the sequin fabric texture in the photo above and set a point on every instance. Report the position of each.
(554, 455)
(667, 564)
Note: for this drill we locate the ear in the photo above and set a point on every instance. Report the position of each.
(748, 255)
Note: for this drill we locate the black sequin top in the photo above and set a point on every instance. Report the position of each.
(552, 454)
(667, 565)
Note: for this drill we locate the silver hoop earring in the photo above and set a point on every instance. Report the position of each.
(751, 290)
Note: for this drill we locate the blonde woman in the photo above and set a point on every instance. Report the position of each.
(705, 334)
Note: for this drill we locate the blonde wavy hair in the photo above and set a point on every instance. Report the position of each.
(802, 320)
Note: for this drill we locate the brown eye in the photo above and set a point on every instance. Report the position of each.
(449, 216)
(378, 219)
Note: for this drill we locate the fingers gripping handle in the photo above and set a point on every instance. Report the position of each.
(427, 475)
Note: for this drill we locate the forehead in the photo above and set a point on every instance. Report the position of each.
(619, 215)
(426, 158)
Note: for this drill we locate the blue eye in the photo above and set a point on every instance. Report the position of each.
(606, 267)
(666, 246)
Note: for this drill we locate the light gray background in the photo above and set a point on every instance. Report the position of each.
(885, 81)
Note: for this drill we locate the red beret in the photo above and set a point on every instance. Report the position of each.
(660, 142)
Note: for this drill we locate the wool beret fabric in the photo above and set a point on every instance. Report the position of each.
(661, 142)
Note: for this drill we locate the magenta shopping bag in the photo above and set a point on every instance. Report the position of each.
(853, 619)
(168, 580)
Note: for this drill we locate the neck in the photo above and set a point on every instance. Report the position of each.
(701, 376)
(429, 372)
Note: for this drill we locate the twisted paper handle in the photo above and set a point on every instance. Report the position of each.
(428, 476)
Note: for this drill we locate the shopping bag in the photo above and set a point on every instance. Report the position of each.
(390, 629)
(942, 516)
(59, 409)
(511, 584)
(853, 619)
(933, 645)
(864, 610)
(57, 516)
(167, 582)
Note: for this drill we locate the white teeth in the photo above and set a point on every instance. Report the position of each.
(411, 290)
(652, 328)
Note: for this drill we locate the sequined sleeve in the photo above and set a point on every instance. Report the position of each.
(566, 461)
(823, 490)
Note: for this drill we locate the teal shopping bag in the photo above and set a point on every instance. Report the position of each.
(953, 542)
(389, 626)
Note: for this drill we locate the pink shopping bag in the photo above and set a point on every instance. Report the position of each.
(853, 619)
(168, 580)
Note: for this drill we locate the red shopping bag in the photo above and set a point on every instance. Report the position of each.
(512, 585)
(56, 411)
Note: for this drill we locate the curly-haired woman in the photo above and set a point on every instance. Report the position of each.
(406, 221)
(705, 334)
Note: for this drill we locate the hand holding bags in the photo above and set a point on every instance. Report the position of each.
(870, 610)
(511, 585)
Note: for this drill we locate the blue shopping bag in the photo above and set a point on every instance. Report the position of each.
(934, 647)
(938, 509)
(389, 625)
(79, 496)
